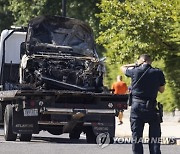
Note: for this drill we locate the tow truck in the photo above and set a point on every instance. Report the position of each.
(51, 79)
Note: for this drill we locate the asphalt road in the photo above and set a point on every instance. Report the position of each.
(44, 143)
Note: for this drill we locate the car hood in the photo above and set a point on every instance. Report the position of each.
(59, 34)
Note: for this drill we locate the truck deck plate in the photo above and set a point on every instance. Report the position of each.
(14, 94)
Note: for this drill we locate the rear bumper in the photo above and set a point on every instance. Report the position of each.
(74, 111)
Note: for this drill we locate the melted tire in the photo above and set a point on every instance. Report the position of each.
(8, 132)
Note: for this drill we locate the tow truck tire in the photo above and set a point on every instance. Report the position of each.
(8, 116)
(55, 131)
(90, 136)
(25, 137)
(74, 135)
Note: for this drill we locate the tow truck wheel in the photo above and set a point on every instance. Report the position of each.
(25, 137)
(90, 136)
(8, 116)
(74, 135)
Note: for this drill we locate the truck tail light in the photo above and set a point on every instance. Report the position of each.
(32, 103)
(29, 104)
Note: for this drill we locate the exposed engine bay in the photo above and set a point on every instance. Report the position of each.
(60, 54)
(68, 73)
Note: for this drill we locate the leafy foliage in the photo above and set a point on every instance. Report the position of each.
(6, 18)
(24, 10)
(133, 27)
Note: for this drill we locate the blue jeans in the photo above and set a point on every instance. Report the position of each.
(139, 116)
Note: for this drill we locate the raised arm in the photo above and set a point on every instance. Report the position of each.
(124, 67)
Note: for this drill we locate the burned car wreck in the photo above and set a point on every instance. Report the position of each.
(59, 53)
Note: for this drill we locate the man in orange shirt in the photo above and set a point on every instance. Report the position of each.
(119, 87)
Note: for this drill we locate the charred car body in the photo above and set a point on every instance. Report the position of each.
(52, 79)
(61, 54)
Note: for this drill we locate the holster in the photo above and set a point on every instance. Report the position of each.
(159, 112)
(151, 104)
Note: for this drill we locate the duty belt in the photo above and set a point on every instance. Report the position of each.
(139, 100)
(150, 104)
(143, 100)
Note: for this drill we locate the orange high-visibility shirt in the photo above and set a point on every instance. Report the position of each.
(120, 87)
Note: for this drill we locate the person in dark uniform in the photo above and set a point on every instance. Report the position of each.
(143, 108)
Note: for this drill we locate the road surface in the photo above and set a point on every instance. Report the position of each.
(45, 143)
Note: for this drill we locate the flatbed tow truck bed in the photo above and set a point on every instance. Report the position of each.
(57, 95)
(63, 111)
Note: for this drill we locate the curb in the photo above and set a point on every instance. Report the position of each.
(178, 141)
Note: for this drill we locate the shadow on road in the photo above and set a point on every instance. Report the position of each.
(64, 138)
(58, 140)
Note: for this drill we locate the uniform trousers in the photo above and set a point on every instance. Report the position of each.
(140, 115)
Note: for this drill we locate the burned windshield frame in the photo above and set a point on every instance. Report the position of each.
(57, 32)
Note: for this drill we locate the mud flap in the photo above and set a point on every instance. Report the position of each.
(107, 125)
(24, 124)
(74, 121)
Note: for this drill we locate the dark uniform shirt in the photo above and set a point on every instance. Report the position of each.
(148, 86)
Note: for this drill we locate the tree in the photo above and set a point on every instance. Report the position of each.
(6, 18)
(133, 27)
(24, 10)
